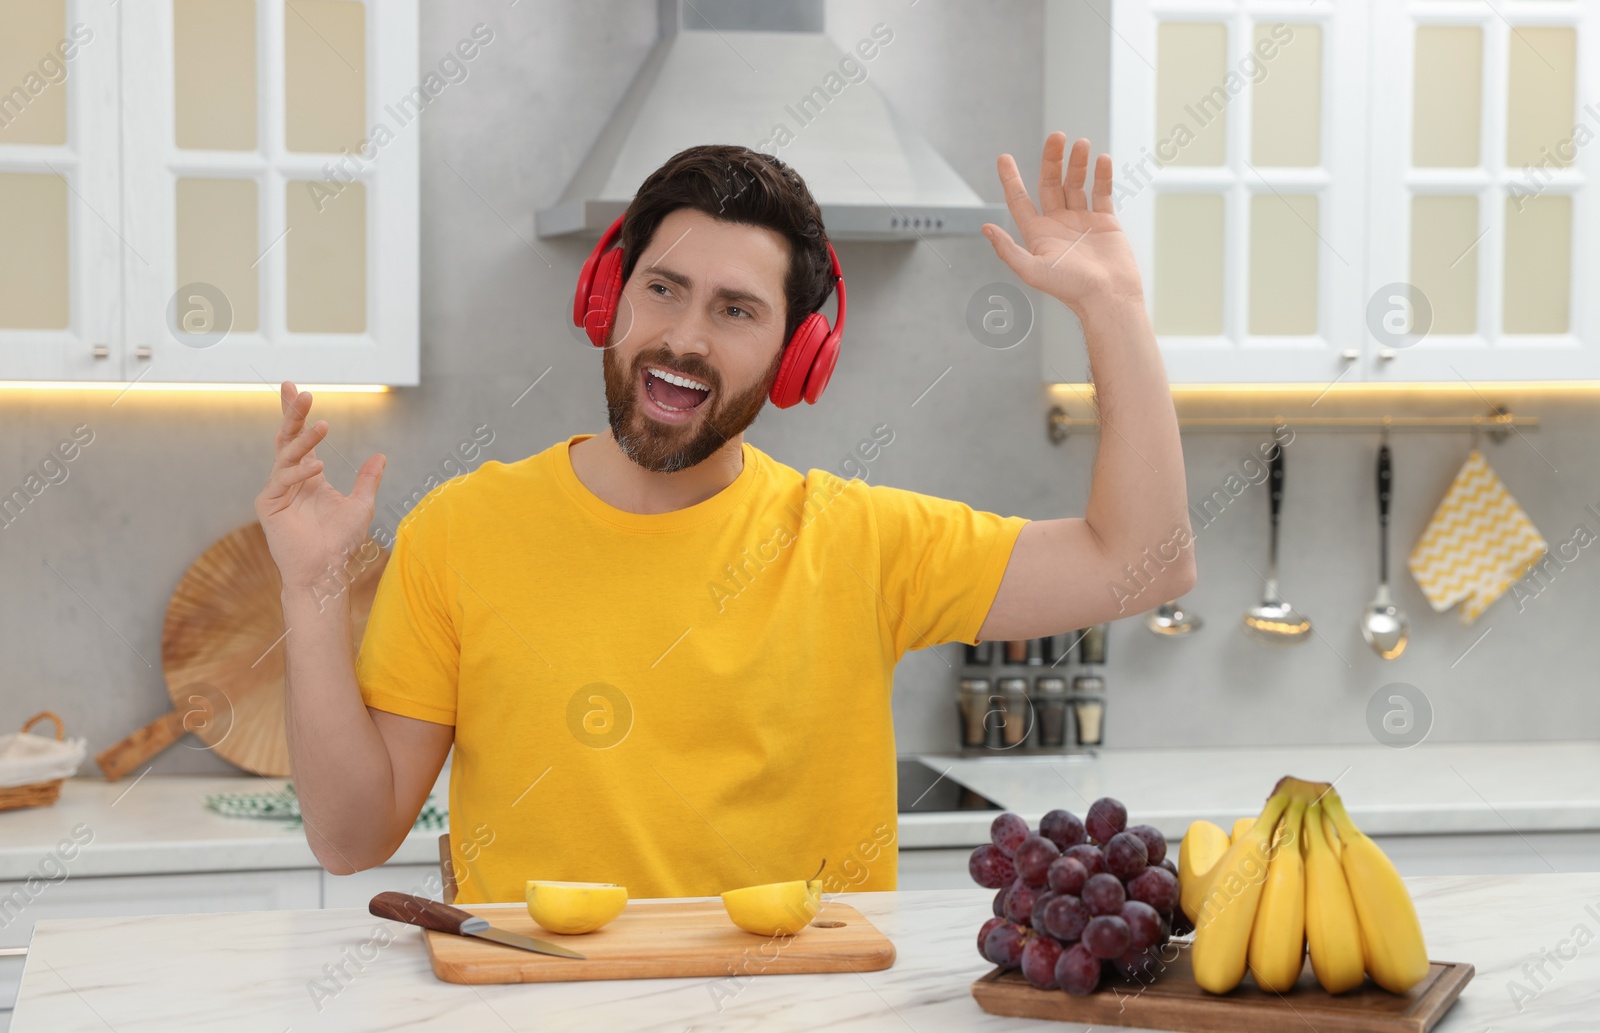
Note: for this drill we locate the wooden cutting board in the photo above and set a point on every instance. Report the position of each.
(1174, 1002)
(662, 940)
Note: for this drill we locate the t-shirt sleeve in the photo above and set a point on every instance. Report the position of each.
(410, 656)
(940, 562)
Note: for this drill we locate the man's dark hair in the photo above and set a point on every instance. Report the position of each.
(739, 185)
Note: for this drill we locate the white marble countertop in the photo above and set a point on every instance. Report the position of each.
(1431, 788)
(159, 824)
(255, 972)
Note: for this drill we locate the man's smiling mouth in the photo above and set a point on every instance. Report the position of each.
(674, 392)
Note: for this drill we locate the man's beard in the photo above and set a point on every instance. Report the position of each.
(668, 448)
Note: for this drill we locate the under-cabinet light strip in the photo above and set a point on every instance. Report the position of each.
(109, 385)
(1358, 390)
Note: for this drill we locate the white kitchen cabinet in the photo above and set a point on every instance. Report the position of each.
(1483, 204)
(229, 194)
(1483, 854)
(135, 895)
(1496, 854)
(60, 202)
(934, 869)
(1362, 192)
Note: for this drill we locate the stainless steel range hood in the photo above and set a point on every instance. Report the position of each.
(765, 76)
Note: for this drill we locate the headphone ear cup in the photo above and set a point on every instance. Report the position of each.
(793, 374)
(822, 367)
(602, 309)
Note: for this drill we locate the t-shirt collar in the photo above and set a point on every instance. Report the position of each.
(710, 509)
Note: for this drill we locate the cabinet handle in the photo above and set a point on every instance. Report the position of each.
(142, 352)
(1350, 355)
(102, 351)
(1386, 354)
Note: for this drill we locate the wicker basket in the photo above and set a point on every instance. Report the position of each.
(34, 794)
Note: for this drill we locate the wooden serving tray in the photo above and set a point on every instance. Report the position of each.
(1174, 1002)
(665, 939)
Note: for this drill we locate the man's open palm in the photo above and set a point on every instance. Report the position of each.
(310, 524)
(1074, 250)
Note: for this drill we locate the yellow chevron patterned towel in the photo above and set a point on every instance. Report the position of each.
(1478, 542)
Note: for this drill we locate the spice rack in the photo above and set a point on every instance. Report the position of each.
(1033, 697)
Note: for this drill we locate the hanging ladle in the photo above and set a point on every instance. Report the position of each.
(1274, 620)
(1383, 625)
(1172, 619)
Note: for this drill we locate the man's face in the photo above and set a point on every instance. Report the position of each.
(705, 302)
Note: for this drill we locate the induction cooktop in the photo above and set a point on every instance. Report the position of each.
(923, 790)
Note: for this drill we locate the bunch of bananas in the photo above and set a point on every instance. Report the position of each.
(1299, 874)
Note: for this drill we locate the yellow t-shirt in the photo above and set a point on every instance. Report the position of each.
(682, 703)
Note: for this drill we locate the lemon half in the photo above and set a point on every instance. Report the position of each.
(575, 907)
(775, 909)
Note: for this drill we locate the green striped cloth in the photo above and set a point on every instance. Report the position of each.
(285, 806)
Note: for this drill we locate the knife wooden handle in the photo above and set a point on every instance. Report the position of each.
(419, 911)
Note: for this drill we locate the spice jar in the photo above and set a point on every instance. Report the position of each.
(980, 655)
(973, 707)
(1088, 714)
(1050, 704)
(1014, 698)
(1092, 647)
(1089, 708)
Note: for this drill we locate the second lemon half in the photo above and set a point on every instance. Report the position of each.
(776, 909)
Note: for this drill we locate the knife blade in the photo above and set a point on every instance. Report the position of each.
(430, 914)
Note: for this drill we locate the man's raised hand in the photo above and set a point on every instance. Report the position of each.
(310, 525)
(1074, 250)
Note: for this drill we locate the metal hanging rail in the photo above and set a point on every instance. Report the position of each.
(1496, 425)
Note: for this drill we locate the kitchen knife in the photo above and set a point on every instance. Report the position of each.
(430, 914)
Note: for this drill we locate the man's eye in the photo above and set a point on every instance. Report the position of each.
(736, 308)
(653, 286)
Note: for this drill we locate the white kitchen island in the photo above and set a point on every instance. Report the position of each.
(148, 846)
(278, 971)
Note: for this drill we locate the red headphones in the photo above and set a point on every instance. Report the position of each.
(808, 360)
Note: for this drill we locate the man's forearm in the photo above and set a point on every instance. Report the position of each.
(341, 768)
(1138, 500)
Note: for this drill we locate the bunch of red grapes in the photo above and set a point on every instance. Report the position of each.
(1077, 897)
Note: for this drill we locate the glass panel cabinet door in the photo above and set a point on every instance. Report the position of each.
(277, 203)
(60, 246)
(1382, 191)
(1237, 138)
(1481, 223)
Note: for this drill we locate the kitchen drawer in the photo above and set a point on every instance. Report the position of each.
(358, 890)
(1505, 853)
(934, 869)
(190, 893)
(10, 980)
(1500, 853)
